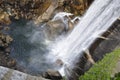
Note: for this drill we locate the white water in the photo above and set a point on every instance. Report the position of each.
(94, 23)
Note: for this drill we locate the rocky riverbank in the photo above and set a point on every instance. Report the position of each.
(9, 74)
(5, 41)
(39, 11)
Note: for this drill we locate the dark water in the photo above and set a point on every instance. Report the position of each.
(28, 47)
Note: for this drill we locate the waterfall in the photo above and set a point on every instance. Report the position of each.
(97, 20)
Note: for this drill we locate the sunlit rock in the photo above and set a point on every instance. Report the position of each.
(4, 18)
(47, 11)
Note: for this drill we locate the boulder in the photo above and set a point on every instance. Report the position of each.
(53, 75)
(54, 28)
(4, 18)
(70, 25)
(11, 63)
(60, 24)
(48, 11)
(8, 39)
(59, 62)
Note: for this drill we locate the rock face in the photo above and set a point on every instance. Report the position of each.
(5, 41)
(48, 12)
(38, 10)
(4, 18)
(60, 24)
(28, 9)
(9, 74)
(110, 44)
(77, 7)
(53, 75)
(5, 60)
(98, 49)
(41, 10)
(54, 29)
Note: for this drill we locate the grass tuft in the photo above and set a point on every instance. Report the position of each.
(102, 70)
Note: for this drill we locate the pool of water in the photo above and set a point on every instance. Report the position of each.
(29, 47)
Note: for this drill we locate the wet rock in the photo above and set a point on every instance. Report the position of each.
(6, 60)
(7, 54)
(7, 50)
(4, 18)
(5, 40)
(1, 27)
(54, 29)
(10, 74)
(8, 39)
(59, 62)
(11, 63)
(59, 25)
(6, 28)
(70, 25)
(1, 42)
(98, 50)
(51, 74)
(17, 17)
(76, 21)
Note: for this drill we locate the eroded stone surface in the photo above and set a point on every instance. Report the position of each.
(40, 10)
(3, 71)
(9, 74)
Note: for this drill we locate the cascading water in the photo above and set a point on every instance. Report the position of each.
(30, 50)
(29, 46)
(95, 22)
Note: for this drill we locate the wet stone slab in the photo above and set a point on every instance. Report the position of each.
(9, 74)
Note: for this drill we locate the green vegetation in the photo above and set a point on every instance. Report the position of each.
(116, 77)
(102, 70)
